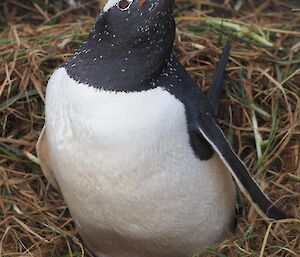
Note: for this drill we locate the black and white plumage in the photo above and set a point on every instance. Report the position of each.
(132, 143)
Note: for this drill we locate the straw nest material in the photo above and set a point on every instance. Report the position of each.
(260, 113)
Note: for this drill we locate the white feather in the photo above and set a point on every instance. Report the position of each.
(109, 4)
(126, 169)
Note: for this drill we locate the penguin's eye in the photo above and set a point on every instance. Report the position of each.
(124, 4)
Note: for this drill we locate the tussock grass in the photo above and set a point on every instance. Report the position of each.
(260, 113)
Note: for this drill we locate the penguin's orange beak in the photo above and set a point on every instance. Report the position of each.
(141, 2)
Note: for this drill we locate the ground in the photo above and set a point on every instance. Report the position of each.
(260, 113)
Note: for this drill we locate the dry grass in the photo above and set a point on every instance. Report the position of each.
(260, 114)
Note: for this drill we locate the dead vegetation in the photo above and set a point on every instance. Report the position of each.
(260, 113)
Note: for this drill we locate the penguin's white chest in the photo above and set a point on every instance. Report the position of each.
(126, 169)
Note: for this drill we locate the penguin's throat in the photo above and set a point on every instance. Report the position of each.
(119, 69)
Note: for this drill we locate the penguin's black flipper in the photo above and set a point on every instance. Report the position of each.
(216, 138)
(214, 135)
(215, 90)
(201, 122)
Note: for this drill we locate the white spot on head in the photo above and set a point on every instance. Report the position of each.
(111, 3)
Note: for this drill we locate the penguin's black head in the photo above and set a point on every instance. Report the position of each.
(128, 46)
(144, 24)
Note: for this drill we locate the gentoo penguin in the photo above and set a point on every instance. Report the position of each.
(133, 145)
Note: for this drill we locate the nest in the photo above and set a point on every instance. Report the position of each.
(260, 113)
